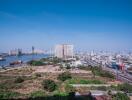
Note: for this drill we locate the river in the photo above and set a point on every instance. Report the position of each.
(23, 58)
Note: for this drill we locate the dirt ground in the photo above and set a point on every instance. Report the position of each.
(33, 83)
(56, 69)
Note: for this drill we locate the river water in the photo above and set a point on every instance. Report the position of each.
(23, 58)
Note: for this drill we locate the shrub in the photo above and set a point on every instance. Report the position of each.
(69, 88)
(120, 96)
(113, 87)
(125, 87)
(109, 92)
(19, 80)
(49, 85)
(64, 76)
(38, 75)
(68, 66)
(107, 74)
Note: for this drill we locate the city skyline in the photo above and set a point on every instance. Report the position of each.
(89, 25)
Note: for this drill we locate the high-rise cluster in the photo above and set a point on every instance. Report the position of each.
(64, 51)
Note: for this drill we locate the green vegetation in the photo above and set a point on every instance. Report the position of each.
(51, 60)
(113, 87)
(4, 86)
(69, 88)
(56, 60)
(102, 88)
(93, 71)
(83, 81)
(38, 75)
(99, 72)
(85, 67)
(125, 87)
(45, 61)
(8, 95)
(64, 76)
(19, 80)
(35, 63)
(68, 66)
(62, 94)
(37, 94)
(120, 96)
(49, 85)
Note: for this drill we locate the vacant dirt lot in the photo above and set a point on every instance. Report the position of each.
(32, 82)
(56, 69)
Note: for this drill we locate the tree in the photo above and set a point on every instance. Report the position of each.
(19, 80)
(61, 66)
(49, 85)
(35, 63)
(68, 66)
(64, 76)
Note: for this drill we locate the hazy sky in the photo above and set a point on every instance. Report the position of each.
(88, 24)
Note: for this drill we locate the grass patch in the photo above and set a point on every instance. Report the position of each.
(99, 72)
(9, 95)
(83, 81)
(125, 87)
(37, 94)
(61, 94)
(120, 96)
(9, 85)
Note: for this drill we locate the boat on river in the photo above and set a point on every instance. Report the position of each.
(16, 62)
(2, 59)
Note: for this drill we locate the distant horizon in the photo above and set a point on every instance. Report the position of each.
(88, 25)
(29, 50)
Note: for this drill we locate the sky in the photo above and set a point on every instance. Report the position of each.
(87, 24)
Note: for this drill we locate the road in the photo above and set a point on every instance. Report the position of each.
(125, 77)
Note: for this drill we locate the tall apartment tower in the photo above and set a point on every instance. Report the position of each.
(64, 51)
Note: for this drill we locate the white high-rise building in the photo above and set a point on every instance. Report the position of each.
(64, 51)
